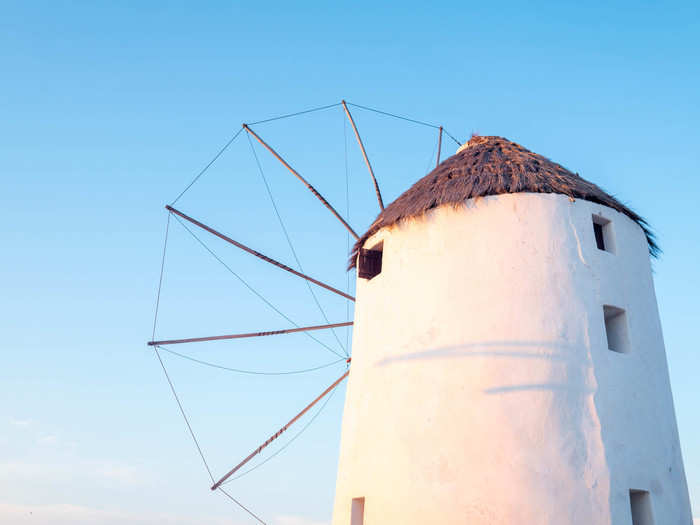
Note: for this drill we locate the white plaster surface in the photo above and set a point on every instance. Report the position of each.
(482, 390)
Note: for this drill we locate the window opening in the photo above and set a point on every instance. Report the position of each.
(616, 328)
(357, 511)
(640, 503)
(602, 230)
(370, 262)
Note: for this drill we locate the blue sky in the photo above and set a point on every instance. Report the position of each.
(109, 110)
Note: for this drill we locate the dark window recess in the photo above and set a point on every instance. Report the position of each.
(370, 263)
(599, 239)
(604, 235)
(616, 329)
(640, 503)
(357, 511)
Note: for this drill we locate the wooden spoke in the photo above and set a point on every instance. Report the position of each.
(302, 179)
(279, 432)
(251, 334)
(257, 254)
(364, 154)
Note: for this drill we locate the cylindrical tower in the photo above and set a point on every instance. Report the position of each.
(508, 362)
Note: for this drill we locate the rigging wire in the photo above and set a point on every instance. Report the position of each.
(251, 372)
(253, 290)
(431, 160)
(405, 118)
(212, 161)
(160, 279)
(172, 386)
(241, 505)
(394, 115)
(312, 110)
(184, 415)
(450, 135)
(289, 242)
(160, 360)
(320, 108)
(278, 451)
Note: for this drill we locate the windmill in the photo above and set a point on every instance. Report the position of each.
(508, 360)
(508, 363)
(192, 224)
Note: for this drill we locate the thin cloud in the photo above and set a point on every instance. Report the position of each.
(68, 514)
(103, 472)
(47, 439)
(20, 422)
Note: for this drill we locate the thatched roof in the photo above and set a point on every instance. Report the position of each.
(491, 166)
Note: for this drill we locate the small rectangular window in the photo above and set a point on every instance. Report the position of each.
(616, 328)
(370, 262)
(599, 240)
(602, 230)
(640, 503)
(357, 511)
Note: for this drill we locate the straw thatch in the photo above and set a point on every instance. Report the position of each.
(491, 166)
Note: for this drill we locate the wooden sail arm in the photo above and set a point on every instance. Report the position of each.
(257, 254)
(364, 154)
(251, 334)
(279, 432)
(302, 179)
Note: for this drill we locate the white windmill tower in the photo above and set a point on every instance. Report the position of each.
(508, 362)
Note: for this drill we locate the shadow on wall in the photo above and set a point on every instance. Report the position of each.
(570, 355)
(574, 388)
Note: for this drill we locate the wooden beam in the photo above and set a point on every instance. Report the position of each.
(364, 154)
(278, 433)
(251, 334)
(302, 179)
(257, 254)
(437, 162)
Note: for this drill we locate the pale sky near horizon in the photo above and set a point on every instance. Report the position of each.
(109, 110)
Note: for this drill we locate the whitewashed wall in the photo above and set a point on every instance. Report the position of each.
(482, 390)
